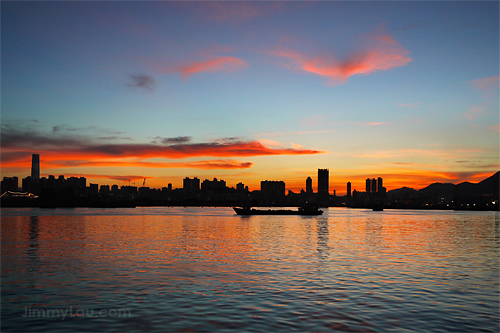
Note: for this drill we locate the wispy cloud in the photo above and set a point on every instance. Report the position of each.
(215, 64)
(474, 112)
(379, 52)
(141, 81)
(403, 105)
(373, 123)
(486, 84)
(271, 143)
(488, 87)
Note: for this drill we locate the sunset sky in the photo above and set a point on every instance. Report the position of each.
(250, 91)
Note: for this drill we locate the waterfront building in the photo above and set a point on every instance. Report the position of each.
(272, 189)
(309, 185)
(323, 181)
(35, 168)
(189, 184)
(10, 184)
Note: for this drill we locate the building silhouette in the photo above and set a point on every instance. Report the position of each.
(323, 181)
(348, 190)
(368, 185)
(213, 185)
(309, 185)
(272, 189)
(380, 185)
(374, 185)
(9, 184)
(189, 184)
(35, 168)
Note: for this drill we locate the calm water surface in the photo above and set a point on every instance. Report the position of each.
(206, 269)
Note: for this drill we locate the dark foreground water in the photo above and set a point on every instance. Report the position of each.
(206, 269)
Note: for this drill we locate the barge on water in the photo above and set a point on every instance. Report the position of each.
(299, 211)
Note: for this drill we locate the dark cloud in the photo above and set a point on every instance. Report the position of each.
(64, 128)
(29, 138)
(142, 81)
(115, 138)
(174, 140)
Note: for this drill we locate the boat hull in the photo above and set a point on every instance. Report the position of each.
(246, 211)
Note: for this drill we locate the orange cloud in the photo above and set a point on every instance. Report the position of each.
(53, 161)
(219, 64)
(66, 151)
(381, 52)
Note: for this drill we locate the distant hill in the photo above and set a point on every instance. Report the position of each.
(437, 192)
(404, 194)
(488, 186)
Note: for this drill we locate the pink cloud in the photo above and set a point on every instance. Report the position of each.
(474, 112)
(219, 64)
(360, 123)
(379, 53)
(486, 84)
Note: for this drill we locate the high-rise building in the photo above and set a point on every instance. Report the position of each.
(35, 168)
(191, 184)
(348, 189)
(272, 189)
(374, 185)
(368, 185)
(323, 181)
(379, 185)
(309, 185)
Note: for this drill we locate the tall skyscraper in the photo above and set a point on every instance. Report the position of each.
(323, 181)
(374, 185)
(348, 189)
(380, 184)
(368, 185)
(35, 167)
(309, 185)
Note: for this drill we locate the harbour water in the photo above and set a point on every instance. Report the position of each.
(164, 269)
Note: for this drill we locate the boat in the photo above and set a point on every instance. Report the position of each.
(299, 211)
